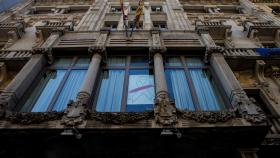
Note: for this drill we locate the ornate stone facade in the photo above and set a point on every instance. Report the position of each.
(238, 41)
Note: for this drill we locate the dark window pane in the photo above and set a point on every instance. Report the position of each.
(139, 61)
(173, 61)
(194, 62)
(116, 61)
(62, 62)
(82, 62)
(141, 91)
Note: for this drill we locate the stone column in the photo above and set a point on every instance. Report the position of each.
(90, 78)
(165, 110)
(160, 81)
(76, 111)
(23, 80)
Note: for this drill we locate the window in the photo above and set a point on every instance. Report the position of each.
(116, 9)
(59, 84)
(156, 9)
(113, 25)
(160, 26)
(191, 86)
(133, 9)
(127, 85)
(132, 25)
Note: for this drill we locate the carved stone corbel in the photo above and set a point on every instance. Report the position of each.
(210, 50)
(39, 38)
(259, 73)
(165, 110)
(276, 75)
(157, 44)
(277, 38)
(253, 34)
(247, 107)
(45, 51)
(228, 39)
(76, 111)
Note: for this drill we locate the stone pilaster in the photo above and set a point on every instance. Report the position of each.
(233, 90)
(147, 24)
(19, 85)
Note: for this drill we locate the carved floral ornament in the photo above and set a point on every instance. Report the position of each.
(122, 118)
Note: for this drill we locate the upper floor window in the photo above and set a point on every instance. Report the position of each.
(133, 9)
(156, 9)
(116, 9)
(127, 85)
(113, 25)
(160, 26)
(58, 85)
(191, 85)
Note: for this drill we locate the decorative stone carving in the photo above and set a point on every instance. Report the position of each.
(120, 118)
(210, 50)
(165, 110)
(208, 117)
(39, 38)
(247, 107)
(76, 111)
(271, 141)
(33, 118)
(157, 46)
(276, 75)
(45, 51)
(259, 73)
(3, 73)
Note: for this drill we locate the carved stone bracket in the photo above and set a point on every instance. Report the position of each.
(247, 107)
(33, 118)
(5, 98)
(157, 44)
(276, 75)
(76, 111)
(120, 118)
(259, 73)
(208, 117)
(45, 51)
(210, 50)
(165, 110)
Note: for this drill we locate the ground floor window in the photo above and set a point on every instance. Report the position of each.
(127, 85)
(59, 84)
(191, 85)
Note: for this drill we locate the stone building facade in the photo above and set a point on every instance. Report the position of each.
(198, 79)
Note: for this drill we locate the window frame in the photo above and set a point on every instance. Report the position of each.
(186, 69)
(50, 68)
(127, 68)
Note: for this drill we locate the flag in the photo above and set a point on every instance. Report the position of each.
(138, 13)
